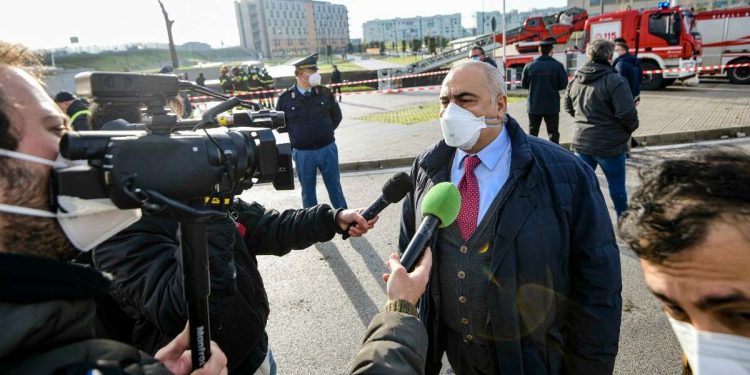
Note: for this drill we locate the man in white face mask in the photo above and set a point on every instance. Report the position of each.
(46, 303)
(527, 279)
(312, 115)
(689, 223)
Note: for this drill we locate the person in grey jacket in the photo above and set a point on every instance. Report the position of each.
(600, 101)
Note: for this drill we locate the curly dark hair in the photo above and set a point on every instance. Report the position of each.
(680, 199)
(12, 55)
(104, 113)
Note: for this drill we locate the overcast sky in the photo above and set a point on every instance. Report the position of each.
(51, 23)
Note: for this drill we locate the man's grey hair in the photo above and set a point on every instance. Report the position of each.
(492, 78)
(600, 49)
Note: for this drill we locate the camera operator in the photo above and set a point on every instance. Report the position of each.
(143, 259)
(146, 306)
(46, 303)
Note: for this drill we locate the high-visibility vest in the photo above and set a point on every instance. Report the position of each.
(78, 114)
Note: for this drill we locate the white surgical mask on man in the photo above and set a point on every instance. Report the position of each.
(314, 79)
(713, 353)
(86, 222)
(461, 128)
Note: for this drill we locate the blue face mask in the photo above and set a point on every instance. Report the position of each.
(476, 58)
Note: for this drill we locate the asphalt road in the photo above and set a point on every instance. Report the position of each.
(323, 297)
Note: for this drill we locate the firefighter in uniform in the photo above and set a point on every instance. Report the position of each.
(225, 80)
(254, 85)
(267, 81)
(239, 79)
(312, 115)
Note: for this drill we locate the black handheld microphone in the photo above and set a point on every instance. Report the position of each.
(394, 190)
(440, 208)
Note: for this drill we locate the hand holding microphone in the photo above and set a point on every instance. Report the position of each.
(440, 208)
(394, 190)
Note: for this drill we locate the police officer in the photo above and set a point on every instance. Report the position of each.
(544, 77)
(225, 80)
(312, 114)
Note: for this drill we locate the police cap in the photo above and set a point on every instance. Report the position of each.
(309, 62)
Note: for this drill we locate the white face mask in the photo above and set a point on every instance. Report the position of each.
(713, 353)
(615, 55)
(461, 128)
(314, 79)
(86, 222)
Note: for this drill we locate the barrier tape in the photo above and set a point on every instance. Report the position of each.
(349, 83)
(255, 94)
(697, 68)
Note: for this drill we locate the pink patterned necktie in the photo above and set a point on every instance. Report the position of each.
(469, 189)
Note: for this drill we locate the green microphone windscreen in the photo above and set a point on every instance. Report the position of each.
(442, 201)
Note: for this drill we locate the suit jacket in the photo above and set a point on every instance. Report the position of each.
(554, 292)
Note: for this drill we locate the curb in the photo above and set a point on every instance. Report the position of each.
(645, 140)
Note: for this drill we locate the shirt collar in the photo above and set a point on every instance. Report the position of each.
(301, 90)
(490, 155)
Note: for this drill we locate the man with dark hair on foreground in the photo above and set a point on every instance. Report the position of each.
(690, 224)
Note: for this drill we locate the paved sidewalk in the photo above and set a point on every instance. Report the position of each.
(676, 114)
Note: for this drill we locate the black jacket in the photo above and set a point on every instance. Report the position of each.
(148, 279)
(544, 77)
(80, 121)
(600, 101)
(336, 76)
(629, 68)
(47, 321)
(311, 120)
(554, 284)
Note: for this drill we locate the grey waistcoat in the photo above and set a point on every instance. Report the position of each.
(463, 270)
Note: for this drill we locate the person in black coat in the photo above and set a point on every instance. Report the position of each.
(535, 288)
(148, 287)
(544, 78)
(336, 80)
(77, 109)
(629, 68)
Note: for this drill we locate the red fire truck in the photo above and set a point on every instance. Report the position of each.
(725, 34)
(663, 38)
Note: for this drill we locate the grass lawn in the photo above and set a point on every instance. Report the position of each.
(344, 66)
(356, 88)
(414, 114)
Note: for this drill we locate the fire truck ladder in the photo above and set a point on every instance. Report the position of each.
(389, 78)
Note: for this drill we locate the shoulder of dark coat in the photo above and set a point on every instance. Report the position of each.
(558, 163)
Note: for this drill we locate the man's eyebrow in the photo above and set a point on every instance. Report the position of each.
(707, 303)
(662, 297)
(462, 95)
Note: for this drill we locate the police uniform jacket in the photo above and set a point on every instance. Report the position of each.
(311, 120)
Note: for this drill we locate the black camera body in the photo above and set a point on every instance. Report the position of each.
(186, 166)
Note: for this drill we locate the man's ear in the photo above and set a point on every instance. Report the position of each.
(502, 106)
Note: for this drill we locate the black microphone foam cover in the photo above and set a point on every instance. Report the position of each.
(397, 187)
